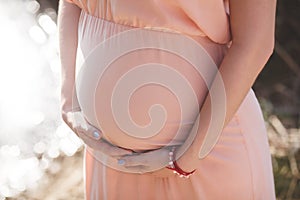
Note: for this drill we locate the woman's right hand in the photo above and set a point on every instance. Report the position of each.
(91, 136)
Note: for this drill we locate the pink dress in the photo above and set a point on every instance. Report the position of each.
(120, 84)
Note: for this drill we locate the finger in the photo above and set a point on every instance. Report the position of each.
(93, 132)
(104, 146)
(66, 118)
(91, 142)
(72, 119)
(82, 125)
(154, 158)
(133, 160)
(114, 151)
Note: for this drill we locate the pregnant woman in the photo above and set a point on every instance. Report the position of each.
(162, 96)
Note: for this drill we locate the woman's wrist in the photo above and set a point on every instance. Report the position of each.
(75, 109)
(189, 160)
(173, 165)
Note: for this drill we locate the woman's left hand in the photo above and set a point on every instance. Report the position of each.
(151, 163)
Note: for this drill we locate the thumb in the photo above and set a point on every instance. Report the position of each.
(93, 132)
(83, 126)
(90, 132)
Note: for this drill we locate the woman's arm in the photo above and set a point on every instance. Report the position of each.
(252, 28)
(68, 17)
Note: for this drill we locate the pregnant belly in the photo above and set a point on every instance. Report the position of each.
(142, 99)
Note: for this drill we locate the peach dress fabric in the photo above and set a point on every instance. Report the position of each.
(238, 167)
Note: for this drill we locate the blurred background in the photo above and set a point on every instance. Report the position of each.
(40, 158)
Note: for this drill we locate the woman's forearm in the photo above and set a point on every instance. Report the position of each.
(68, 16)
(253, 41)
(238, 74)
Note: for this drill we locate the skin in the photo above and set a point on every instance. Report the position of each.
(252, 27)
(68, 17)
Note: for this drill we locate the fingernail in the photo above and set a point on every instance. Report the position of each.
(121, 162)
(96, 135)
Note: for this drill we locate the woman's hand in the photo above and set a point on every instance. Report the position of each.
(150, 163)
(91, 136)
(68, 18)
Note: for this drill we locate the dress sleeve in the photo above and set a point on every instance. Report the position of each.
(212, 17)
(68, 17)
(82, 4)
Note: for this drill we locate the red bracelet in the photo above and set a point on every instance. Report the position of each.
(180, 171)
(174, 166)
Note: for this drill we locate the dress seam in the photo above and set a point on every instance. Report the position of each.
(109, 21)
(152, 28)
